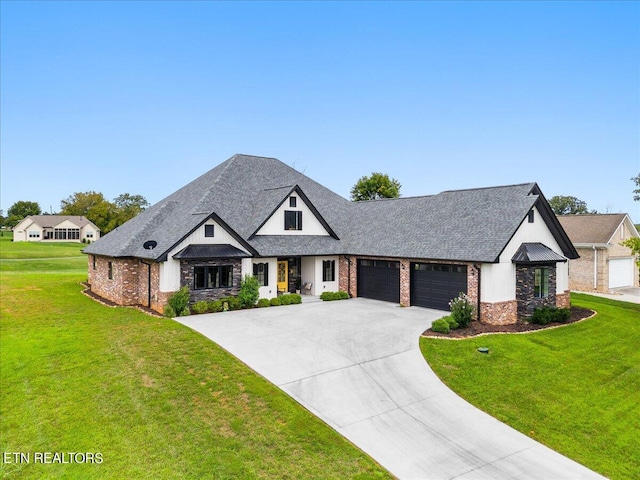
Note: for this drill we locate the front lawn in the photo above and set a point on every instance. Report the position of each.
(575, 389)
(154, 398)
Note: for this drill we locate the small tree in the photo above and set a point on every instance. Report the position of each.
(565, 205)
(636, 192)
(634, 244)
(249, 291)
(462, 310)
(21, 210)
(179, 302)
(378, 185)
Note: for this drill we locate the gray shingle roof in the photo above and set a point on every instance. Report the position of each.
(471, 225)
(50, 221)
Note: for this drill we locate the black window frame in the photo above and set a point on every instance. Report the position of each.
(94, 261)
(293, 202)
(261, 272)
(541, 282)
(110, 270)
(209, 231)
(328, 270)
(209, 277)
(293, 220)
(531, 216)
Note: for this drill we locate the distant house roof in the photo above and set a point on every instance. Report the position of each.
(591, 229)
(536, 253)
(51, 221)
(244, 191)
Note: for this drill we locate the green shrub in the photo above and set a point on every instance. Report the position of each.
(462, 310)
(169, 312)
(296, 299)
(562, 315)
(329, 296)
(275, 302)
(451, 321)
(232, 303)
(214, 306)
(179, 301)
(547, 314)
(249, 291)
(440, 326)
(200, 307)
(285, 299)
(343, 295)
(186, 311)
(263, 302)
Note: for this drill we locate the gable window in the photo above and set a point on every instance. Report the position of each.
(292, 220)
(212, 277)
(293, 201)
(541, 282)
(530, 216)
(328, 270)
(261, 272)
(110, 270)
(208, 230)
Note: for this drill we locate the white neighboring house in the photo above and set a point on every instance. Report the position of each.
(55, 228)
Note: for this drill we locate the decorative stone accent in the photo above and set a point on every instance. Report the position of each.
(186, 278)
(563, 300)
(499, 313)
(525, 285)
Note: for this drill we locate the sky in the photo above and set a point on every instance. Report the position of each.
(143, 97)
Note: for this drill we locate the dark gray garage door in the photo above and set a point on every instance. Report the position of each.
(434, 285)
(379, 279)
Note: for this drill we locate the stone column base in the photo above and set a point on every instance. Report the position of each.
(499, 313)
(563, 300)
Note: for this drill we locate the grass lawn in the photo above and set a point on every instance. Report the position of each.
(575, 389)
(154, 398)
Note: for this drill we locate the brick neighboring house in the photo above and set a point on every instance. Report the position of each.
(55, 228)
(503, 246)
(604, 263)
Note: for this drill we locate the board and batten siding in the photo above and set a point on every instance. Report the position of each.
(170, 270)
(498, 280)
(310, 223)
(312, 273)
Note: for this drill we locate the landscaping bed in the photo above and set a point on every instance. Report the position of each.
(477, 328)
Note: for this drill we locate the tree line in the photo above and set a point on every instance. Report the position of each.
(94, 206)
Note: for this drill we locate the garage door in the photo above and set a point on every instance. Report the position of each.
(620, 272)
(434, 285)
(379, 279)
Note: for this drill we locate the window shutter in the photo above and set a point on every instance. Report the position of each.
(266, 274)
(255, 269)
(333, 270)
(299, 220)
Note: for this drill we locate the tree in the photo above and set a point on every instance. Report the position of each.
(378, 185)
(634, 244)
(20, 210)
(636, 192)
(128, 206)
(563, 205)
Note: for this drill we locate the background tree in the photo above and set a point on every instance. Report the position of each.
(378, 185)
(20, 210)
(128, 206)
(564, 205)
(636, 192)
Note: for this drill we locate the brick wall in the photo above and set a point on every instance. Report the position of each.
(581, 271)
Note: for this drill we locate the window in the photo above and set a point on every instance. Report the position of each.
(541, 282)
(292, 202)
(208, 230)
(94, 262)
(292, 220)
(328, 270)
(530, 216)
(212, 277)
(89, 234)
(110, 267)
(261, 272)
(60, 234)
(66, 234)
(34, 234)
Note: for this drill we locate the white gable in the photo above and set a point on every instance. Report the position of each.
(275, 225)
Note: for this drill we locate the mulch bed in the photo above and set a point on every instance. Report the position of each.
(87, 291)
(477, 328)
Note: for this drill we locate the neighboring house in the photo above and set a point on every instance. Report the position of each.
(55, 228)
(604, 263)
(503, 246)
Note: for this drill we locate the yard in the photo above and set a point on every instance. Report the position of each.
(153, 398)
(575, 389)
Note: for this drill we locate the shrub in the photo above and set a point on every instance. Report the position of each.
(296, 299)
(462, 310)
(249, 291)
(214, 306)
(440, 326)
(233, 303)
(200, 307)
(548, 314)
(179, 301)
(263, 302)
(562, 315)
(451, 322)
(329, 296)
(185, 312)
(285, 299)
(169, 312)
(275, 302)
(343, 295)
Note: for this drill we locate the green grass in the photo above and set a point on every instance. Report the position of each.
(153, 397)
(21, 250)
(575, 389)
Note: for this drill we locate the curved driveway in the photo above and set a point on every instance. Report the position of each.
(357, 365)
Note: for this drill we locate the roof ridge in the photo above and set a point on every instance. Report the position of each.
(489, 188)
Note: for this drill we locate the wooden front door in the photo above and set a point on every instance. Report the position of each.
(283, 276)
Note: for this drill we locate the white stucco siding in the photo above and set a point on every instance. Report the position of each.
(170, 270)
(310, 223)
(20, 231)
(498, 280)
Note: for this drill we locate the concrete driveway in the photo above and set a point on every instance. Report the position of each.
(624, 294)
(356, 364)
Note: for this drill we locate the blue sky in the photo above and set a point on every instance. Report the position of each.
(143, 97)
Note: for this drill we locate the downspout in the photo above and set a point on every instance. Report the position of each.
(595, 268)
(348, 275)
(148, 282)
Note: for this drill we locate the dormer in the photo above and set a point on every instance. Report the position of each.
(295, 215)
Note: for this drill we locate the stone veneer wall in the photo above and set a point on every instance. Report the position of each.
(525, 285)
(186, 278)
(499, 313)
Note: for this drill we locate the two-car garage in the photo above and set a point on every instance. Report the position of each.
(431, 285)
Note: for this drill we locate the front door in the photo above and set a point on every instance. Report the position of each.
(283, 276)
